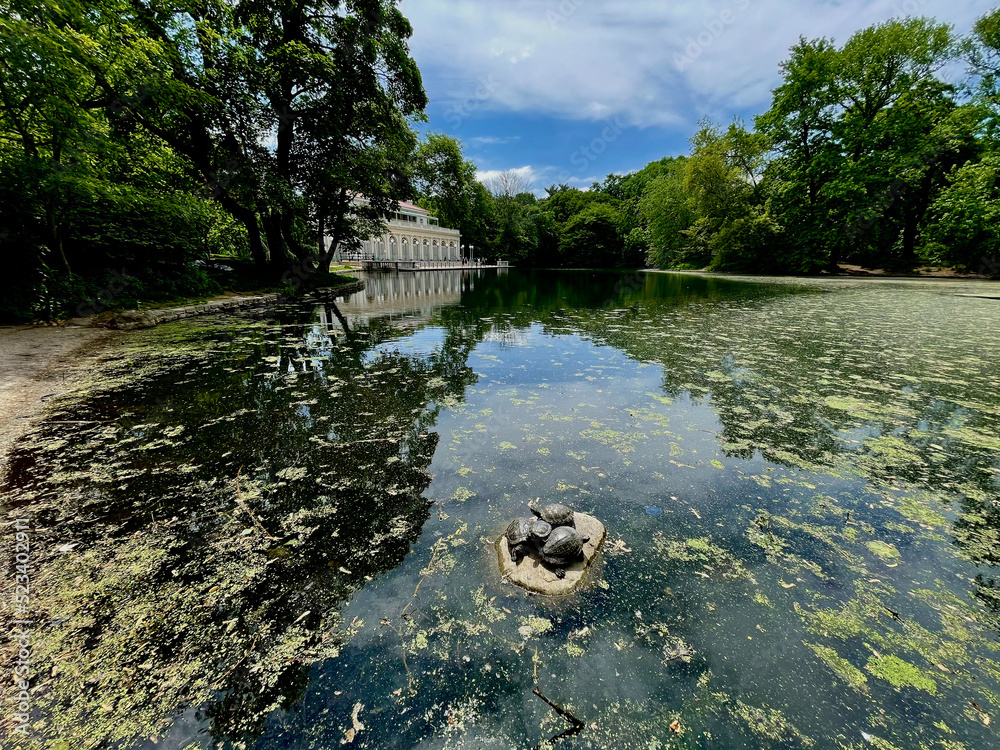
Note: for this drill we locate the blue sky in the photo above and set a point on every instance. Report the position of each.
(572, 90)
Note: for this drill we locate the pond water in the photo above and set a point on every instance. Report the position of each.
(277, 531)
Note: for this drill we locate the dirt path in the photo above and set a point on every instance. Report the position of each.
(36, 364)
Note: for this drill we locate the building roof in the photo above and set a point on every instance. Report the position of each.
(413, 207)
(403, 205)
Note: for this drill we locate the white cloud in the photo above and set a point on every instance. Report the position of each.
(646, 61)
(539, 178)
(493, 140)
(527, 173)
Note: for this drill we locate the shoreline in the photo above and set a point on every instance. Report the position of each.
(42, 362)
(943, 275)
(38, 363)
(126, 320)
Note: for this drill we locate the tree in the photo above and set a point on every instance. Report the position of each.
(517, 238)
(84, 193)
(446, 182)
(723, 180)
(667, 211)
(982, 52)
(329, 85)
(859, 142)
(507, 184)
(964, 226)
(590, 238)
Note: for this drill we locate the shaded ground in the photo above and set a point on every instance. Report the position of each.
(927, 271)
(38, 363)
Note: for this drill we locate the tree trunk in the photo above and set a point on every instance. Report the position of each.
(248, 219)
(833, 266)
(909, 256)
(275, 243)
(321, 232)
(284, 222)
(342, 204)
(55, 242)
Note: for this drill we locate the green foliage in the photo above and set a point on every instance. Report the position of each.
(133, 135)
(865, 155)
(750, 243)
(590, 238)
(964, 223)
(449, 190)
(133, 138)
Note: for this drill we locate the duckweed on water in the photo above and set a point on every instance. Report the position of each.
(900, 673)
(841, 667)
(274, 532)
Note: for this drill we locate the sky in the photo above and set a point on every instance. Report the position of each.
(569, 91)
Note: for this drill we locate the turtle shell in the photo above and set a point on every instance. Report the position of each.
(519, 530)
(540, 530)
(563, 544)
(556, 514)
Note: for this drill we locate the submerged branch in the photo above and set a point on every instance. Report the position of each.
(569, 732)
(559, 709)
(239, 499)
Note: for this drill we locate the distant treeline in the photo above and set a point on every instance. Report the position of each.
(137, 136)
(867, 155)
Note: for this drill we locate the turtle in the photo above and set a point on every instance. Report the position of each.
(562, 547)
(556, 514)
(525, 534)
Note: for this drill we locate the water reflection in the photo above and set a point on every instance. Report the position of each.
(415, 296)
(802, 478)
(221, 492)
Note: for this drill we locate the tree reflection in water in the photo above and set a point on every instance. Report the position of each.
(231, 483)
(223, 490)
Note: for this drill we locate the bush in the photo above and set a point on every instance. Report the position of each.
(59, 295)
(963, 227)
(751, 243)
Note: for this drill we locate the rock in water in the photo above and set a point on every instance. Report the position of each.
(531, 574)
(131, 320)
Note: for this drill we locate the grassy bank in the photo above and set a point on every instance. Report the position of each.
(59, 297)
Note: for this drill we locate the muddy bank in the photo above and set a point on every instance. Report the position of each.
(36, 365)
(128, 320)
(39, 363)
